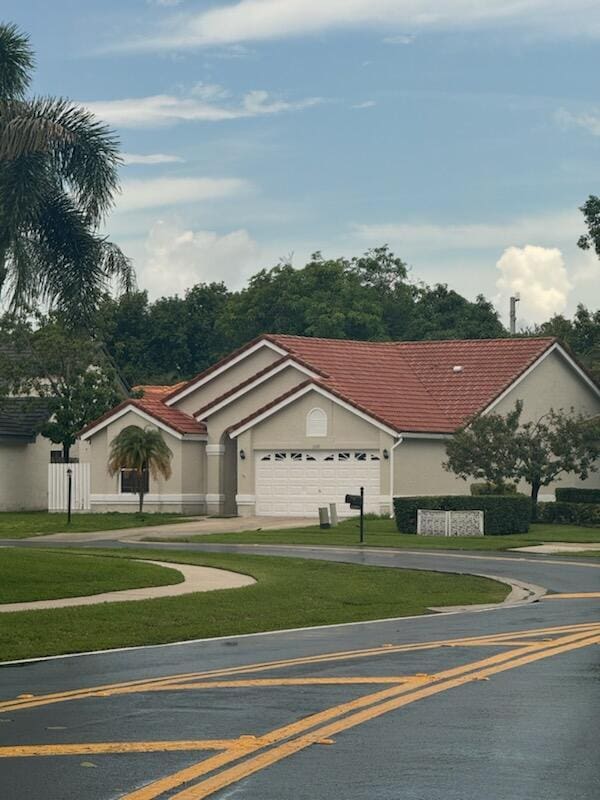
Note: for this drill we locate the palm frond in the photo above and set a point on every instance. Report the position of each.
(16, 61)
(81, 150)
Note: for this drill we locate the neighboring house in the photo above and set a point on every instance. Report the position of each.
(24, 454)
(287, 424)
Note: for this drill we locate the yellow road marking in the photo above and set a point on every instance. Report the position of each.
(572, 596)
(250, 682)
(243, 770)
(20, 751)
(143, 685)
(370, 705)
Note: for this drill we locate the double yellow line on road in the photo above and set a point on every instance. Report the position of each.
(290, 739)
(171, 681)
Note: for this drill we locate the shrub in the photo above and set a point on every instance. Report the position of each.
(502, 514)
(479, 489)
(571, 495)
(559, 513)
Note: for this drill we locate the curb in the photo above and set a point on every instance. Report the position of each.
(521, 594)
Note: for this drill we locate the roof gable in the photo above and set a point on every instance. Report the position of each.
(152, 409)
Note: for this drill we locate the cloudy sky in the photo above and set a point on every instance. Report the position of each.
(464, 133)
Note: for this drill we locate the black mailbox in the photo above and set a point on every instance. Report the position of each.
(354, 501)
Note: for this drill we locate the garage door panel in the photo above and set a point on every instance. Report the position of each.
(298, 484)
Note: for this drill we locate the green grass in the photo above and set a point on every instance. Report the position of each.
(383, 533)
(290, 593)
(21, 524)
(41, 575)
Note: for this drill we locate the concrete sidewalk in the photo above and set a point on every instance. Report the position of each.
(195, 579)
(196, 527)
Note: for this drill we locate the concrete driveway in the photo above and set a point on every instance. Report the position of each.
(195, 527)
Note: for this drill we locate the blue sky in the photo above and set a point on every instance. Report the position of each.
(464, 134)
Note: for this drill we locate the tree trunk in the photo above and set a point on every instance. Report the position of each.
(535, 490)
(66, 453)
(140, 483)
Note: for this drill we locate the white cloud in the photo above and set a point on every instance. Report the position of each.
(588, 120)
(366, 104)
(177, 258)
(539, 276)
(150, 158)
(163, 109)
(159, 192)
(564, 226)
(262, 20)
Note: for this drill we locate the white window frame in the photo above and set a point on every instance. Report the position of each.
(317, 423)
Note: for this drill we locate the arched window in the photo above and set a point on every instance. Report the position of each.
(316, 422)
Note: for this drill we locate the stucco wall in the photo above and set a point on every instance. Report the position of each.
(418, 469)
(183, 491)
(554, 384)
(254, 399)
(24, 475)
(231, 377)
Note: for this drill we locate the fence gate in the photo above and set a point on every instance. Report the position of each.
(58, 483)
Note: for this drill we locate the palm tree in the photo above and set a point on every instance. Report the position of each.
(141, 451)
(58, 177)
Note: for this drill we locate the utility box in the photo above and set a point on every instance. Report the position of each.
(324, 518)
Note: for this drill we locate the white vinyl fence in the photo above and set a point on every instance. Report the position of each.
(58, 484)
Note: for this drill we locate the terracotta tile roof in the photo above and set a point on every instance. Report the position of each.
(412, 386)
(158, 391)
(173, 418)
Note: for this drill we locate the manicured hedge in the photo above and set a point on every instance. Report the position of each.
(587, 514)
(567, 495)
(503, 514)
(478, 489)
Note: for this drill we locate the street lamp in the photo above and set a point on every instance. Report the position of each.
(69, 493)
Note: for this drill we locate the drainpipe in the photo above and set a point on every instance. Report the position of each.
(394, 446)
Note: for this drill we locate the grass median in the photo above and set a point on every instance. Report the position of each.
(289, 593)
(22, 524)
(27, 575)
(383, 533)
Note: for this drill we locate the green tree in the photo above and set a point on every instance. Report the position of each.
(501, 448)
(556, 444)
(140, 450)
(591, 214)
(68, 372)
(58, 177)
(486, 449)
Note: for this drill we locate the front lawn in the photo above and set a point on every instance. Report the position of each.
(290, 593)
(42, 575)
(383, 533)
(21, 524)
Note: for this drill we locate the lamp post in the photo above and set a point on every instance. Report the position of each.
(69, 493)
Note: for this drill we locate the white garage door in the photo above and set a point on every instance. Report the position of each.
(297, 482)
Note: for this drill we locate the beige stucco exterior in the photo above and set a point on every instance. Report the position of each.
(24, 471)
(224, 381)
(183, 492)
(218, 476)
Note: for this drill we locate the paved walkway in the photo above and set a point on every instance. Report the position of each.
(195, 579)
(196, 527)
(559, 547)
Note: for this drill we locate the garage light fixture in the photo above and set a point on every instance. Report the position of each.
(386, 454)
(242, 455)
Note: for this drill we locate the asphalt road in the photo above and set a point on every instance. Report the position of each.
(494, 705)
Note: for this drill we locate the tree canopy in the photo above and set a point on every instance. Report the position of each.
(369, 297)
(58, 177)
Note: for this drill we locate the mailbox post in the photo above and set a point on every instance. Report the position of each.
(357, 503)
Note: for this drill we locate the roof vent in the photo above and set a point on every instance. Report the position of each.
(458, 368)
